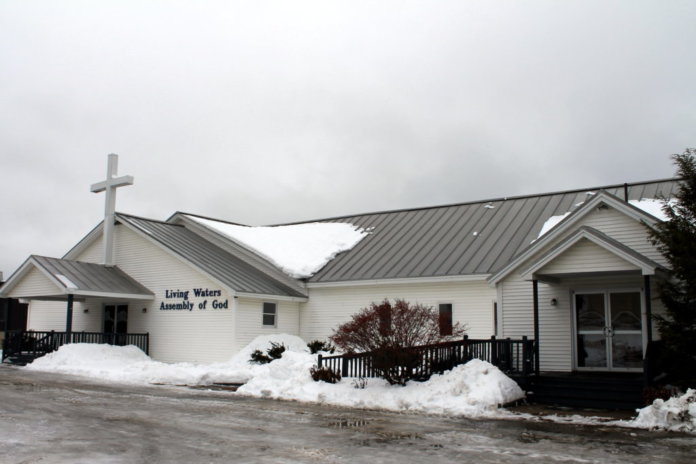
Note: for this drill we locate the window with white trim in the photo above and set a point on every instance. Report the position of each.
(270, 311)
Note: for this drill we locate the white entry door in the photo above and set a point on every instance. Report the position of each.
(609, 331)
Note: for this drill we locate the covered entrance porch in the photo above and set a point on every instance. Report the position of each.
(592, 307)
(108, 290)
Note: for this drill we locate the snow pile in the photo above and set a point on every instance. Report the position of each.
(240, 361)
(677, 414)
(128, 364)
(299, 250)
(473, 389)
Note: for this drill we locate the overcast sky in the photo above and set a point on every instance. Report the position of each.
(265, 112)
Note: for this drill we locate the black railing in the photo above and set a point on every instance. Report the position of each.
(32, 344)
(514, 357)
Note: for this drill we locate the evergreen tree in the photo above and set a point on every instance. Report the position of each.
(676, 239)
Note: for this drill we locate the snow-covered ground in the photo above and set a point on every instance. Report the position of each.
(476, 389)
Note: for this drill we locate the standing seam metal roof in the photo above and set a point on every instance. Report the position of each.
(462, 239)
(219, 263)
(91, 277)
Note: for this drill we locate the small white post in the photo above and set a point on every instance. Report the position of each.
(109, 186)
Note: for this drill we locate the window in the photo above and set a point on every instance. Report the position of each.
(269, 314)
(495, 318)
(445, 318)
(385, 320)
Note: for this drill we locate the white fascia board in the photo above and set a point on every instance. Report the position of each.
(645, 268)
(406, 280)
(567, 223)
(177, 256)
(124, 296)
(261, 296)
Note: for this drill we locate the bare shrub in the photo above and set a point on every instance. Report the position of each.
(389, 331)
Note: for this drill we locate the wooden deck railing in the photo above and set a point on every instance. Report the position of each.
(32, 344)
(514, 357)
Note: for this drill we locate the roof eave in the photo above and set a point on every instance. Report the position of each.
(568, 222)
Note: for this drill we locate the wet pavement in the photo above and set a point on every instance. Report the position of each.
(49, 418)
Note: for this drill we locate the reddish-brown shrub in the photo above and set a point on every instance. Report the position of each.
(388, 331)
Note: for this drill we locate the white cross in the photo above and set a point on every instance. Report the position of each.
(110, 185)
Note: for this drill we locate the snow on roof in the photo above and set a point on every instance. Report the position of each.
(649, 205)
(67, 282)
(300, 250)
(551, 223)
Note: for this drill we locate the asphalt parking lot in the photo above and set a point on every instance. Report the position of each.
(50, 418)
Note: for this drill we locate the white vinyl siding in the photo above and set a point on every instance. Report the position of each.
(35, 283)
(625, 230)
(328, 307)
(175, 335)
(47, 315)
(93, 253)
(586, 256)
(555, 322)
(249, 321)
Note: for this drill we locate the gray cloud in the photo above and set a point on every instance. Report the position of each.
(268, 112)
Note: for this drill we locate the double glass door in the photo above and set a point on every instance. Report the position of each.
(115, 324)
(609, 330)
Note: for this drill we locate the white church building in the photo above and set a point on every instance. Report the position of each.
(573, 270)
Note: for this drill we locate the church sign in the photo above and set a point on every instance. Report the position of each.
(188, 300)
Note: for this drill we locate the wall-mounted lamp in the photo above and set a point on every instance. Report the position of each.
(144, 310)
(553, 302)
(86, 310)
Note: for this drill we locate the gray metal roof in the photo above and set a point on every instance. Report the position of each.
(462, 239)
(215, 261)
(81, 277)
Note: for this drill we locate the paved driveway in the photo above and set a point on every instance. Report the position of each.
(46, 418)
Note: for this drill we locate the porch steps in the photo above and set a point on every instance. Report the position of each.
(22, 359)
(587, 390)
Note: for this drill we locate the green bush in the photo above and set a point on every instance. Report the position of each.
(324, 374)
(274, 352)
(316, 346)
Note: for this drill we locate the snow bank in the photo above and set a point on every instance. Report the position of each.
(299, 250)
(127, 364)
(473, 389)
(263, 343)
(677, 414)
